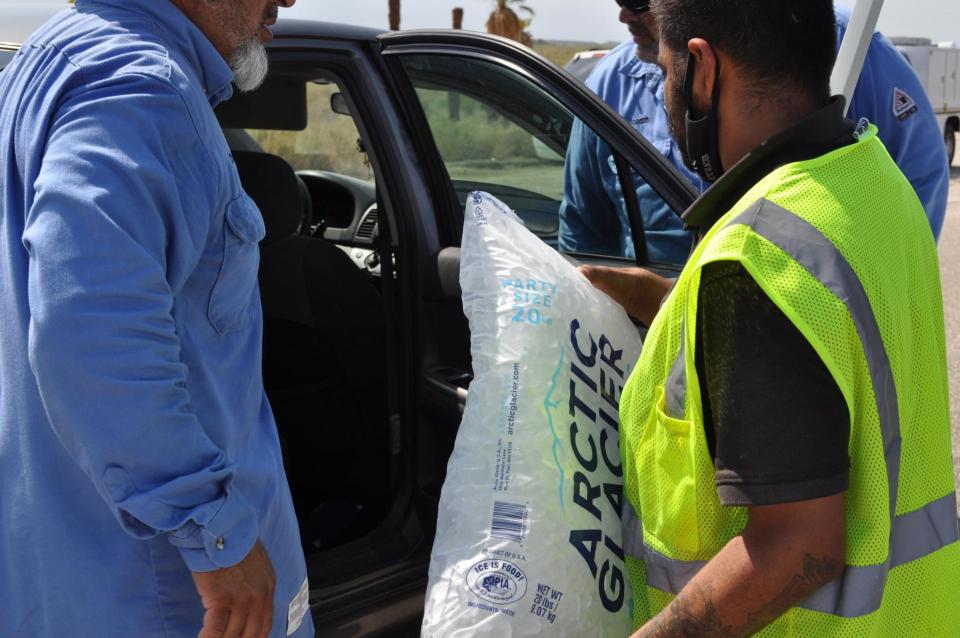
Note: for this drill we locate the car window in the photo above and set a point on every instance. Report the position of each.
(330, 141)
(484, 150)
(498, 131)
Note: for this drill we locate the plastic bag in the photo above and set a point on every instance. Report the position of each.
(529, 534)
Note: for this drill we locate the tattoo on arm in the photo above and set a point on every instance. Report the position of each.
(694, 614)
(817, 572)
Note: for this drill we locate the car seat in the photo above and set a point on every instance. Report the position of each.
(324, 363)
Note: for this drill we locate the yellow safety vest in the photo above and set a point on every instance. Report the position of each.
(841, 245)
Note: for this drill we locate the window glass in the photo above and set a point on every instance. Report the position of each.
(478, 144)
(485, 150)
(499, 132)
(330, 142)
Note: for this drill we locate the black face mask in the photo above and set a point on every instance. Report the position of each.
(703, 145)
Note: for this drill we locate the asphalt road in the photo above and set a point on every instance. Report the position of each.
(950, 276)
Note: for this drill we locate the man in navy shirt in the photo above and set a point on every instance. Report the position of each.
(143, 486)
(593, 217)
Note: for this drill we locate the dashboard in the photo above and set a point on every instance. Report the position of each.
(343, 208)
(345, 214)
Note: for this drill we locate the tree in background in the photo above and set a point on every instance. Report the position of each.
(394, 15)
(505, 22)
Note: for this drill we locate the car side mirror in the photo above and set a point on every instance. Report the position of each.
(338, 104)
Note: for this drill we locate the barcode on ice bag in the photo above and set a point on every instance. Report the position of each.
(509, 521)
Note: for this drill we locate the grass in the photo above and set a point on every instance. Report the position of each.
(480, 145)
(330, 142)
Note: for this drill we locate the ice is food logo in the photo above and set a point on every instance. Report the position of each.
(497, 581)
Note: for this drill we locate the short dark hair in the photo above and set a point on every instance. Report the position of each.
(780, 43)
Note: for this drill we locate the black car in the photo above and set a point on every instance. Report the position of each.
(360, 150)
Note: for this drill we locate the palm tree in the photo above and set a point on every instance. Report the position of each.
(394, 15)
(505, 22)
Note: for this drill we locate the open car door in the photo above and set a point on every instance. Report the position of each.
(488, 114)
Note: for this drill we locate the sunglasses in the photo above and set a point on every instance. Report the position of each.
(637, 6)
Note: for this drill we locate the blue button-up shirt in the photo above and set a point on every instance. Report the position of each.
(136, 442)
(593, 217)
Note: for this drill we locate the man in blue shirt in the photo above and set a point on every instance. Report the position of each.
(143, 487)
(593, 217)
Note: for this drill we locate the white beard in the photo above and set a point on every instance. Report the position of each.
(649, 55)
(250, 65)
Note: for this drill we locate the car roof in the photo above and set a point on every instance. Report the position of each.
(286, 28)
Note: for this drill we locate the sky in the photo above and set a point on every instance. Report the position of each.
(596, 20)
(583, 20)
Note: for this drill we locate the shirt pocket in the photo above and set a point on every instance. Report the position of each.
(654, 132)
(669, 472)
(663, 144)
(235, 287)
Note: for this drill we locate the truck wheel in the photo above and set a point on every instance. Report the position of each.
(950, 139)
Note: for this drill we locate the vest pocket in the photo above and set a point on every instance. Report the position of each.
(236, 283)
(668, 480)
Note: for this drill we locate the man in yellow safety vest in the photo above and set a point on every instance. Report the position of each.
(785, 434)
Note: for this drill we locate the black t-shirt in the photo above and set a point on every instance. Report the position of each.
(776, 422)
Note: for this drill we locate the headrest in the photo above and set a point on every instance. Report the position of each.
(275, 189)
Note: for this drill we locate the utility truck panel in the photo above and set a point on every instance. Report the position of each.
(938, 67)
(944, 88)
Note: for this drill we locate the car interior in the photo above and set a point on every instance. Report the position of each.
(331, 368)
(320, 286)
(317, 303)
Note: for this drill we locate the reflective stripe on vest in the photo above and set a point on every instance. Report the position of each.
(913, 535)
(857, 593)
(675, 389)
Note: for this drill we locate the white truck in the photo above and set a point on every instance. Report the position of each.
(938, 67)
